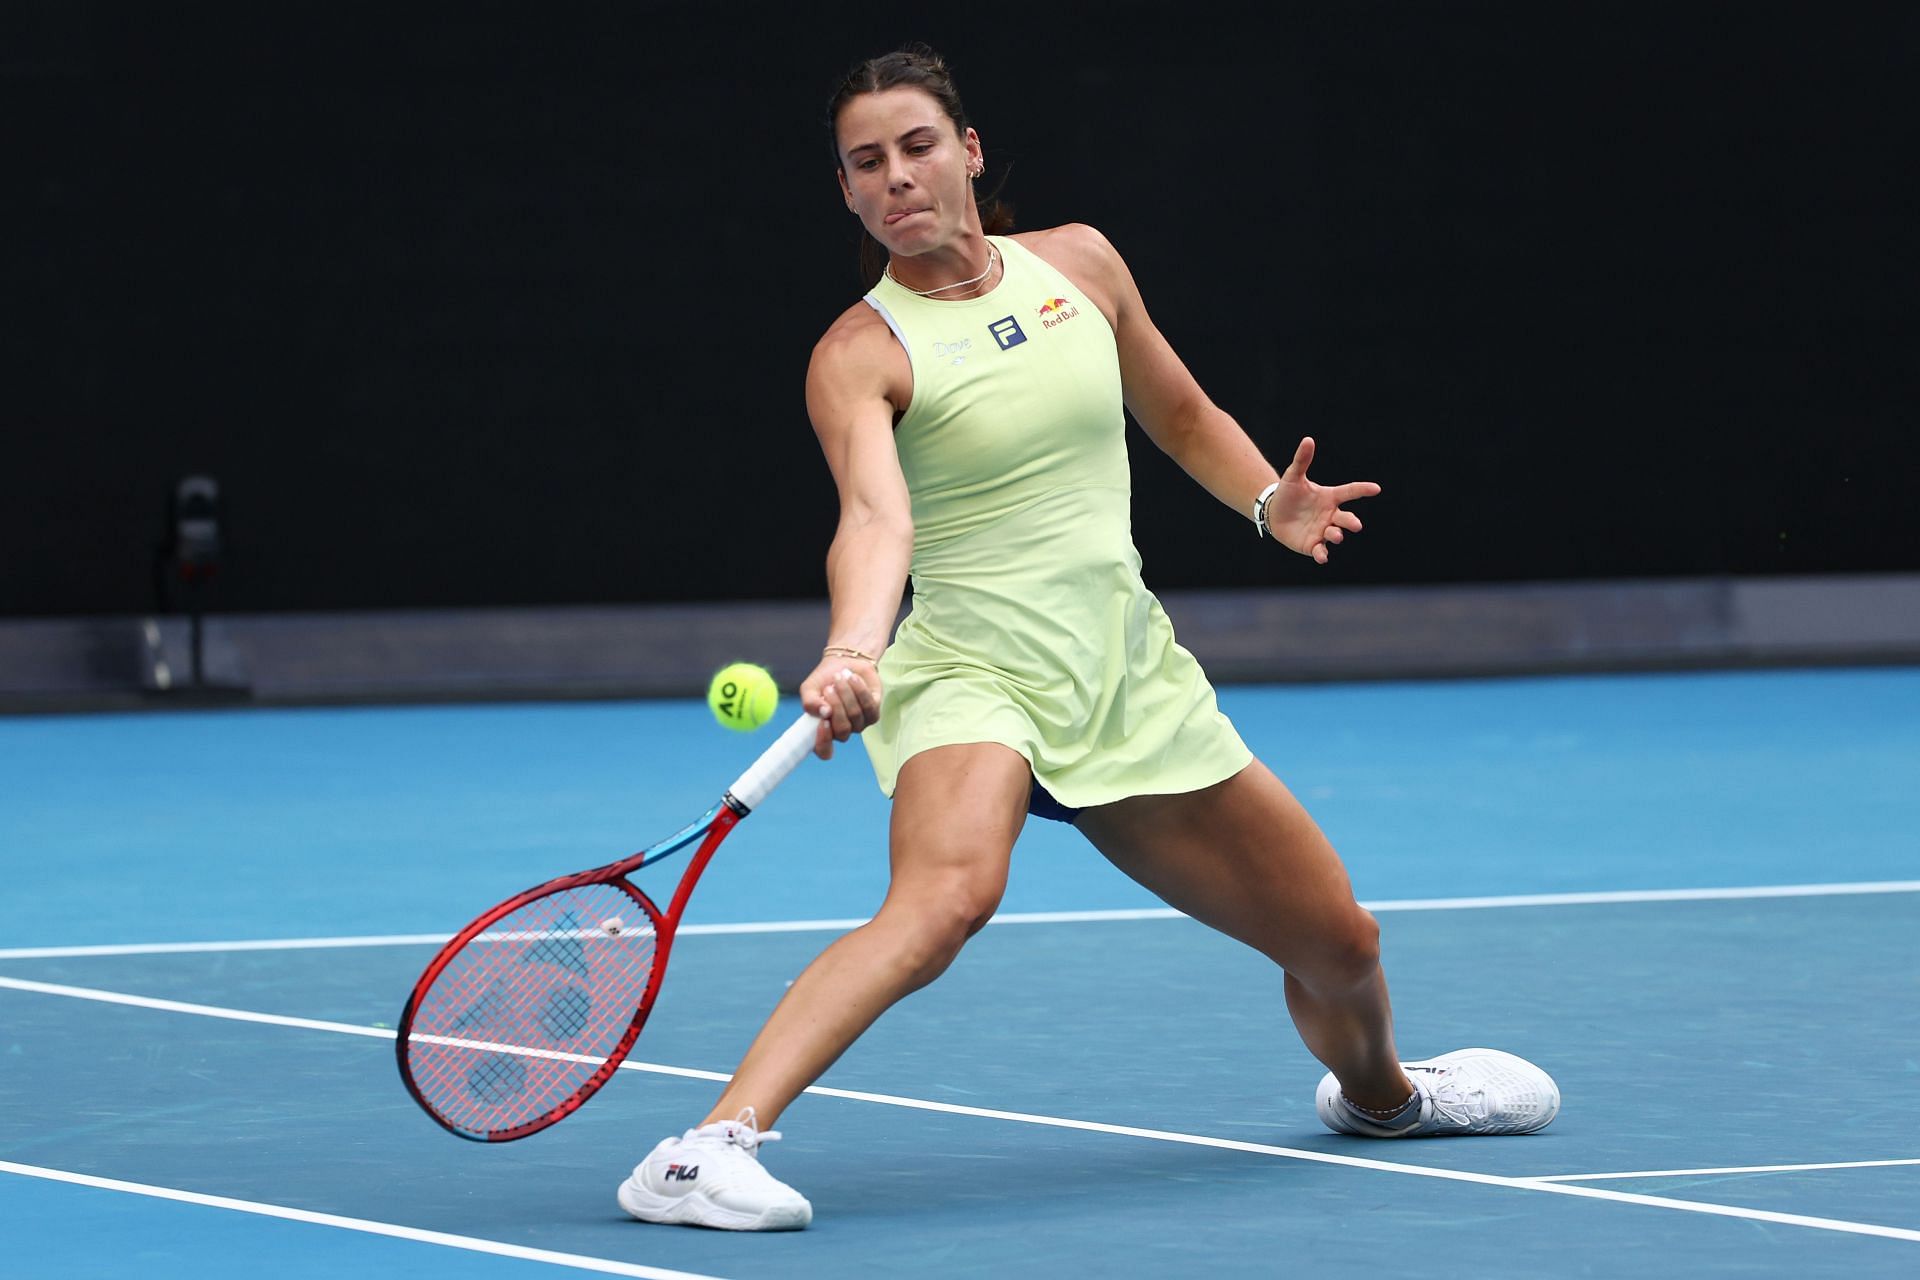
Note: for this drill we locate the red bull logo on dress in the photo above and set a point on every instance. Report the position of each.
(1057, 311)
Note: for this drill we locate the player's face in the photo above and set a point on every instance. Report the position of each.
(904, 170)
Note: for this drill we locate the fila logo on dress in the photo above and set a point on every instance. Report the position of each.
(1053, 312)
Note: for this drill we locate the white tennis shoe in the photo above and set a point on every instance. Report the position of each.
(712, 1177)
(1468, 1091)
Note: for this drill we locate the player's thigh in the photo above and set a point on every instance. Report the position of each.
(957, 811)
(1245, 857)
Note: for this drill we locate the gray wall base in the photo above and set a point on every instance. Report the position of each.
(1371, 633)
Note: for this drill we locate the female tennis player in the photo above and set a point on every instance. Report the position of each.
(971, 408)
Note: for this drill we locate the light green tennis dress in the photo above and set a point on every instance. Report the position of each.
(1030, 624)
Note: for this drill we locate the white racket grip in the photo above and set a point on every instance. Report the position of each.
(775, 763)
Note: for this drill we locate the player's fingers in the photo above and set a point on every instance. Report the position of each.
(1358, 489)
(847, 695)
(852, 690)
(823, 736)
(1319, 553)
(1302, 459)
(840, 721)
(868, 697)
(1334, 534)
(1347, 520)
(829, 708)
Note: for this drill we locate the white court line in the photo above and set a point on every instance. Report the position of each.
(1011, 917)
(1059, 1122)
(473, 1243)
(1745, 1168)
(1647, 895)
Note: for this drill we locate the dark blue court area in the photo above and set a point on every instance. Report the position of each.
(1694, 898)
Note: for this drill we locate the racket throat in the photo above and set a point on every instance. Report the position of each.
(727, 819)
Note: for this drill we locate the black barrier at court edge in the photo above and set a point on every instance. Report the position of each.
(513, 307)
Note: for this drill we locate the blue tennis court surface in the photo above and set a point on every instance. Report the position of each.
(1693, 898)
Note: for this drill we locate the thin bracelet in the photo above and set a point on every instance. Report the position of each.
(842, 651)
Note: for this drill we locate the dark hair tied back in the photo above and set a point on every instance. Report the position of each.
(918, 67)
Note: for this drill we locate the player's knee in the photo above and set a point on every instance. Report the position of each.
(1351, 954)
(962, 911)
(938, 924)
(932, 945)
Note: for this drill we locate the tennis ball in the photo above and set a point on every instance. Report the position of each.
(743, 696)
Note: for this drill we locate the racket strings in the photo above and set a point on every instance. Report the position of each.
(525, 1014)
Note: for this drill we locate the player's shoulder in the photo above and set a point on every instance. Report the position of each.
(1084, 255)
(857, 336)
(858, 356)
(1072, 244)
(1088, 259)
(1073, 237)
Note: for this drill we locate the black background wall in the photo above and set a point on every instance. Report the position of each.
(510, 304)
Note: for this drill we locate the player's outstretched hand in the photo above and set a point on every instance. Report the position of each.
(845, 694)
(1308, 517)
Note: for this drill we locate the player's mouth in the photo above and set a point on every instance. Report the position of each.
(899, 214)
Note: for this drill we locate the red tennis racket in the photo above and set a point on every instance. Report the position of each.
(527, 1011)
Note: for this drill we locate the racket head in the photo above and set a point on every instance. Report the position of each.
(527, 1011)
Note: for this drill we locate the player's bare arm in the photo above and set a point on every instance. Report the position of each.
(1180, 418)
(857, 381)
